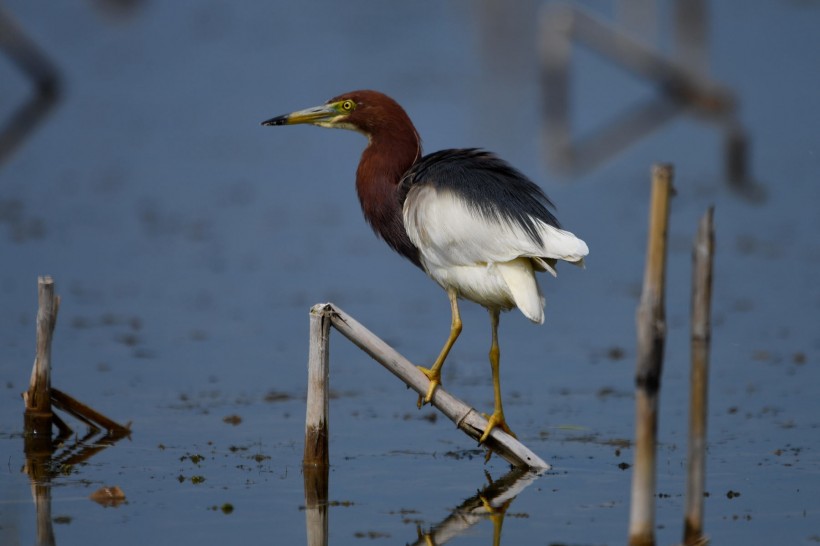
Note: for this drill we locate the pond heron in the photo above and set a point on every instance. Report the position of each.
(473, 223)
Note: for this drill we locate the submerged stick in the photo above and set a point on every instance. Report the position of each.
(702, 259)
(465, 417)
(38, 397)
(87, 414)
(651, 326)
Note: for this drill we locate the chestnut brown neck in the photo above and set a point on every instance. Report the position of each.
(394, 146)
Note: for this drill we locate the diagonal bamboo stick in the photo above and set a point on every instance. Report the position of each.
(465, 417)
(87, 414)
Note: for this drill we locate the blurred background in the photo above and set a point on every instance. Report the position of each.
(188, 243)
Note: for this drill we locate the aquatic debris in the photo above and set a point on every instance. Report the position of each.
(109, 496)
(232, 419)
(278, 396)
(226, 508)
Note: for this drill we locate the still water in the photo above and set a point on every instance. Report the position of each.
(188, 244)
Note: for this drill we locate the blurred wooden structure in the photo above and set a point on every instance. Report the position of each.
(36, 66)
(681, 81)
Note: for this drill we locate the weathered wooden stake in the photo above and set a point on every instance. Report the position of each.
(466, 418)
(702, 259)
(651, 326)
(315, 463)
(38, 416)
(316, 420)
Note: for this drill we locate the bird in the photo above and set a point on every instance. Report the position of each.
(473, 223)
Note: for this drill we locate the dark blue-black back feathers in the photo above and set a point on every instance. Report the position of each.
(488, 185)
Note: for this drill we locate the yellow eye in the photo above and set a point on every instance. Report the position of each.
(347, 105)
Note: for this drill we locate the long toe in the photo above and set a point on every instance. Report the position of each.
(435, 381)
(496, 420)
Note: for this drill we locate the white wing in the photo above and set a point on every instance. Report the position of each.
(447, 232)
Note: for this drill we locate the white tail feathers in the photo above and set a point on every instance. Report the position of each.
(562, 245)
(520, 278)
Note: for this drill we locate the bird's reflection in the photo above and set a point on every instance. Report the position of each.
(491, 502)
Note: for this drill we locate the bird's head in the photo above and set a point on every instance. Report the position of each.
(365, 111)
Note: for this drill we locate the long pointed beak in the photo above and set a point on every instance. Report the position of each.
(317, 114)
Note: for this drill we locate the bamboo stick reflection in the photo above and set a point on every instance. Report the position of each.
(492, 502)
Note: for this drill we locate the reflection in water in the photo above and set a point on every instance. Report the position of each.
(32, 62)
(47, 458)
(38, 450)
(681, 83)
(316, 495)
(491, 502)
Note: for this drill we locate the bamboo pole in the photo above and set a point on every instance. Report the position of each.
(465, 417)
(651, 326)
(38, 415)
(316, 420)
(702, 258)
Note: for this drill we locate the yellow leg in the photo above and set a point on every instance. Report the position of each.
(496, 516)
(434, 373)
(497, 418)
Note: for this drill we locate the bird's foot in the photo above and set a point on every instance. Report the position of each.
(435, 381)
(495, 420)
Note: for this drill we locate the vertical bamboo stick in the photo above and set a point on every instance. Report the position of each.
(702, 258)
(651, 326)
(316, 420)
(38, 397)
